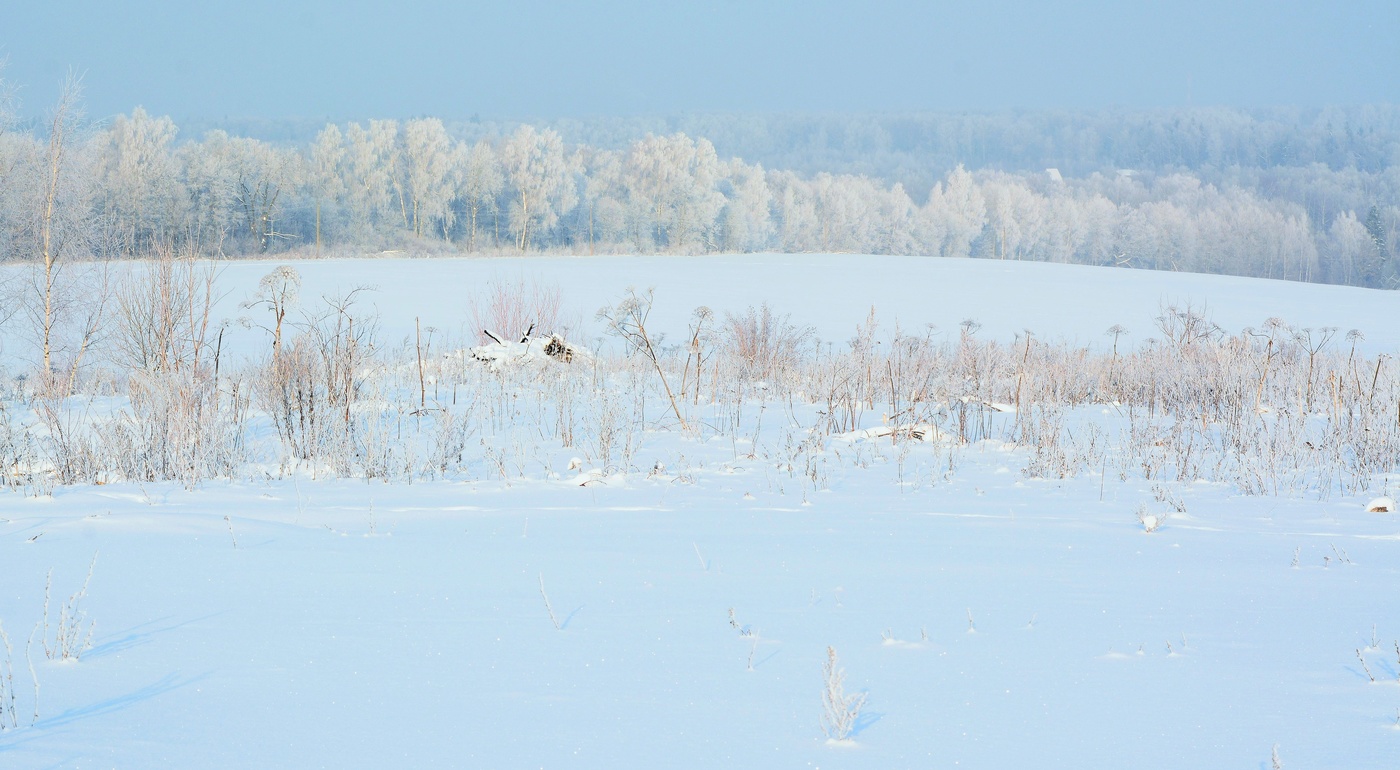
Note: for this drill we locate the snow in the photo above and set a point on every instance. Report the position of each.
(833, 293)
(303, 622)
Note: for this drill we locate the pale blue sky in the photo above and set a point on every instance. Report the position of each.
(529, 59)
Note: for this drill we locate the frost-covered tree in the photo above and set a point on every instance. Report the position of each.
(207, 178)
(1011, 217)
(956, 212)
(14, 148)
(428, 176)
(745, 222)
(479, 184)
(601, 216)
(263, 178)
(541, 186)
(895, 222)
(672, 185)
(844, 209)
(795, 212)
(139, 193)
(1098, 219)
(370, 166)
(325, 177)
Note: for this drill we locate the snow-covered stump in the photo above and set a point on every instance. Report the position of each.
(502, 353)
(1381, 505)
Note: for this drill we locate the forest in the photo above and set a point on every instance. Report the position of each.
(1305, 195)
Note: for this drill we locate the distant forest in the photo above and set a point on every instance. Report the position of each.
(1308, 195)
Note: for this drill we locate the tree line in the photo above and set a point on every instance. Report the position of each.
(132, 187)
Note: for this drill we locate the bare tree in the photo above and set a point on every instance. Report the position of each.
(65, 311)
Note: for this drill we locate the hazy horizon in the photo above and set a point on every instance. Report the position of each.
(343, 61)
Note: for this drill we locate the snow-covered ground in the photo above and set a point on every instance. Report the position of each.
(835, 292)
(677, 614)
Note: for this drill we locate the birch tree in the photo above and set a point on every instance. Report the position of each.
(60, 218)
(369, 164)
(325, 173)
(541, 187)
(427, 157)
(672, 180)
(479, 184)
(64, 305)
(602, 211)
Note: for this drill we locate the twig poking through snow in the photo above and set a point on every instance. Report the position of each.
(547, 607)
(69, 641)
(1364, 667)
(232, 537)
(7, 686)
(33, 676)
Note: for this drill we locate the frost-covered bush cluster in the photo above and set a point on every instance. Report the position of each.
(1270, 410)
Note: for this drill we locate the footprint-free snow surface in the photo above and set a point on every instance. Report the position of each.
(677, 613)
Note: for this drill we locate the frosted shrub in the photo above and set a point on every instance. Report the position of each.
(312, 381)
(1052, 457)
(513, 309)
(68, 447)
(178, 427)
(17, 450)
(451, 433)
(765, 342)
(839, 710)
(1150, 521)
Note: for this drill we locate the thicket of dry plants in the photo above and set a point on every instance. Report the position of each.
(1271, 410)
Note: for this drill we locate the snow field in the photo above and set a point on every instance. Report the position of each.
(295, 615)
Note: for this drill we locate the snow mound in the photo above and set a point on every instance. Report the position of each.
(1381, 505)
